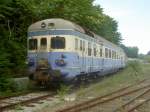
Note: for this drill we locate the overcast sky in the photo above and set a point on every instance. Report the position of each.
(133, 17)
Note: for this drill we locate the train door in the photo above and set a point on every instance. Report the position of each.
(90, 57)
(94, 64)
(103, 57)
(84, 57)
(82, 49)
(42, 49)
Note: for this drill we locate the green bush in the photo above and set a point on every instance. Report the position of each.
(63, 91)
(147, 58)
(135, 66)
(7, 84)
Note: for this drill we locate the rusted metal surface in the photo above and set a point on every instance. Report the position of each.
(103, 99)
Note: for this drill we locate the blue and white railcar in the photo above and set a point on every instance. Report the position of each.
(58, 46)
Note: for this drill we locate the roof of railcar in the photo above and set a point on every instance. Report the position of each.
(58, 23)
(55, 23)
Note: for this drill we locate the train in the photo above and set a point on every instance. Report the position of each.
(61, 49)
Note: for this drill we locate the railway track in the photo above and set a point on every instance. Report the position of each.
(15, 95)
(110, 97)
(11, 102)
(136, 102)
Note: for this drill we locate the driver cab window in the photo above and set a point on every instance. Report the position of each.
(32, 44)
(43, 43)
(58, 42)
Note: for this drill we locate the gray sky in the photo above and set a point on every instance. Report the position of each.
(133, 19)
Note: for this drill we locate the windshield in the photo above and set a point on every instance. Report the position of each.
(58, 42)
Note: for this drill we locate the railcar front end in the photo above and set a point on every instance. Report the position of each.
(47, 58)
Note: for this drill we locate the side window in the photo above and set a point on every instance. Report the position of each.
(109, 53)
(94, 49)
(81, 45)
(58, 42)
(43, 43)
(116, 55)
(76, 44)
(101, 52)
(89, 49)
(106, 53)
(32, 44)
(113, 55)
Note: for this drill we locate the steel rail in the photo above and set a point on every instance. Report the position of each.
(114, 92)
(24, 102)
(99, 100)
(138, 105)
(132, 100)
(107, 100)
(11, 96)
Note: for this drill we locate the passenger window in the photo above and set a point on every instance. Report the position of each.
(89, 49)
(106, 52)
(58, 42)
(32, 44)
(76, 44)
(81, 45)
(43, 43)
(109, 53)
(94, 50)
(116, 55)
(101, 52)
(113, 55)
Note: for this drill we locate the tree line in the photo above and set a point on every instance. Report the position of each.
(17, 15)
(131, 52)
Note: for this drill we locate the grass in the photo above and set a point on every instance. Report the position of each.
(18, 108)
(63, 91)
(134, 72)
(22, 89)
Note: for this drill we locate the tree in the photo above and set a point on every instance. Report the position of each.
(132, 52)
(17, 15)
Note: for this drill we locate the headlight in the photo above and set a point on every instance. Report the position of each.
(60, 62)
